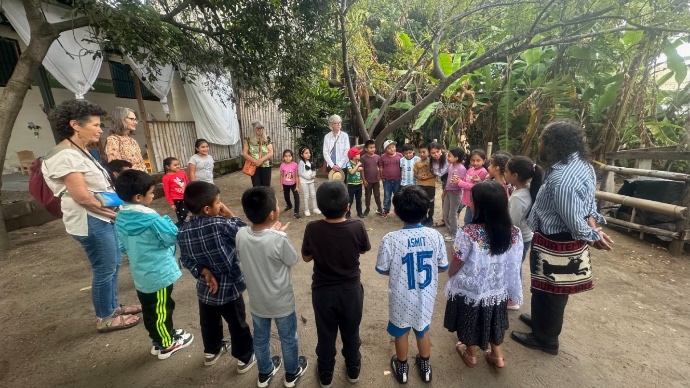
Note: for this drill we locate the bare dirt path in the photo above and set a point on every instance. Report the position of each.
(632, 330)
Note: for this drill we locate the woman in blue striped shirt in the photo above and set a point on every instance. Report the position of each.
(564, 218)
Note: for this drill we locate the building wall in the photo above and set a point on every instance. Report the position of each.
(24, 139)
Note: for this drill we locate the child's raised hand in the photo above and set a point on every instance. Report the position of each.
(211, 281)
(279, 226)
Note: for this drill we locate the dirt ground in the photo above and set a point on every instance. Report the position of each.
(632, 330)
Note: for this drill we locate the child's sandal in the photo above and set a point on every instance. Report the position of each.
(466, 358)
(493, 361)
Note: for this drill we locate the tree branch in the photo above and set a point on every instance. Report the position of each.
(541, 13)
(359, 120)
(175, 11)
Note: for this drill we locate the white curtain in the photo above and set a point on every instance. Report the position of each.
(67, 59)
(214, 115)
(161, 86)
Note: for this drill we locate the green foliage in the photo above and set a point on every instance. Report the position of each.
(307, 112)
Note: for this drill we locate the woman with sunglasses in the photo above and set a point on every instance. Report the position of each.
(120, 145)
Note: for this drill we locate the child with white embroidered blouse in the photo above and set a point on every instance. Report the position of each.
(484, 274)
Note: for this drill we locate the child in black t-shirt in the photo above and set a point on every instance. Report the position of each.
(334, 244)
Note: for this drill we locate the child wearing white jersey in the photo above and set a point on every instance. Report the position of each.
(413, 280)
(407, 165)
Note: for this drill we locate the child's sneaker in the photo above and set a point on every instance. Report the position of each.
(448, 238)
(291, 379)
(353, 373)
(379, 211)
(400, 369)
(210, 358)
(366, 212)
(289, 207)
(180, 342)
(361, 215)
(243, 367)
(155, 348)
(384, 214)
(307, 214)
(297, 216)
(424, 368)
(265, 379)
(325, 378)
(317, 211)
(513, 306)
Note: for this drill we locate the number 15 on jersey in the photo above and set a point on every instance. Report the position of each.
(418, 266)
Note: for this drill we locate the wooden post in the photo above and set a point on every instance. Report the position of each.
(144, 120)
(677, 246)
(607, 184)
(489, 147)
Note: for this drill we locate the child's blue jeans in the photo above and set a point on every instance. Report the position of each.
(287, 332)
(390, 187)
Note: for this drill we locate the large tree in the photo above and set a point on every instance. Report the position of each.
(266, 46)
(483, 33)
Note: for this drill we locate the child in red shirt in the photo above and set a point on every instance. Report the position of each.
(174, 182)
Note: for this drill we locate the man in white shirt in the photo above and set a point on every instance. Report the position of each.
(335, 145)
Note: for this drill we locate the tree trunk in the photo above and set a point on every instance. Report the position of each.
(358, 119)
(42, 36)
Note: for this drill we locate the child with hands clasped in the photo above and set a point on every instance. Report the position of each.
(475, 174)
(307, 174)
(149, 240)
(174, 182)
(484, 274)
(412, 258)
(267, 256)
(289, 178)
(354, 180)
(456, 173)
(208, 250)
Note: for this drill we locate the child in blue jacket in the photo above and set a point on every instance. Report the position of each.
(149, 241)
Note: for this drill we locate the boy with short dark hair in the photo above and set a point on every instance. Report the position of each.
(149, 240)
(371, 177)
(334, 244)
(354, 180)
(389, 166)
(426, 180)
(116, 167)
(407, 165)
(413, 280)
(266, 255)
(207, 250)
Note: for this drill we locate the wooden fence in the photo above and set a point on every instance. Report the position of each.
(681, 213)
(273, 119)
(176, 138)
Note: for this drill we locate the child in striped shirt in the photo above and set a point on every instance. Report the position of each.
(407, 165)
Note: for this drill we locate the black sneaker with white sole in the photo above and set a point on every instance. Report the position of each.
(353, 373)
(155, 348)
(400, 370)
(265, 378)
(290, 378)
(325, 378)
(244, 367)
(211, 358)
(180, 342)
(424, 368)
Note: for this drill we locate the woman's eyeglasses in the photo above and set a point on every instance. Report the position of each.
(132, 118)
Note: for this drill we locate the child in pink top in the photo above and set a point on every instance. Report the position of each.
(290, 180)
(475, 174)
(174, 182)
